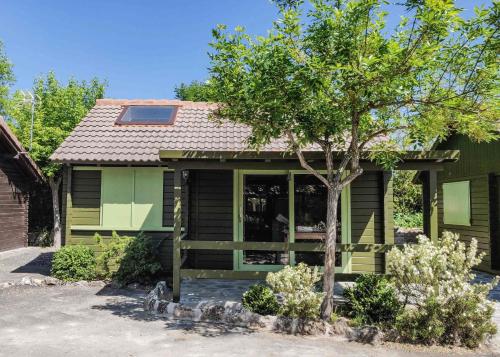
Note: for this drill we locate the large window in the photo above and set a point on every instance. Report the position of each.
(456, 203)
(310, 218)
(132, 198)
(148, 114)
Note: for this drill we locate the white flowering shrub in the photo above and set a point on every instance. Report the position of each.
(435, 277)
(297, 286)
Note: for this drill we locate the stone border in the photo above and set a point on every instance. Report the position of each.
(159, 302)
(49, 281)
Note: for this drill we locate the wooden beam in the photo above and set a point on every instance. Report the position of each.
(177, 235)
(244, 275)
(282, 246)
(433, 206)
(388, 210)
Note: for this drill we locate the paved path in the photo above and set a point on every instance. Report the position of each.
(30, 261)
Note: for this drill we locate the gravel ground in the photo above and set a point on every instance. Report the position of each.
(30, 261)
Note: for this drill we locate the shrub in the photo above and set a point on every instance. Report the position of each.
(139, 262)
(73, 263)
(372, 300)
(297, 286)
(261, 300)
(409, 220)
(436, 278)
(112, 253)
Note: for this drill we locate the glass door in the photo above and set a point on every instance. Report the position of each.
(263, 217)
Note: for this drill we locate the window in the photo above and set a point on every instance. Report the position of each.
(148, 114)
(130, 198)
(456, 203)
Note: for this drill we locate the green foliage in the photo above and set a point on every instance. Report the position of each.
(73, 263)
(44, 238)
(112, 253)
(372, 300)
(195, 91)
(6, 78)
(297, 285)
(261, 300)
(409, 220)
(59, 108)
(436, 278)
(407, 195)
(138, 261)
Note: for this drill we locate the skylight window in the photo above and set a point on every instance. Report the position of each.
(148, 114)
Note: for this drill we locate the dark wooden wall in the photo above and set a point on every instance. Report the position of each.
(14, 188)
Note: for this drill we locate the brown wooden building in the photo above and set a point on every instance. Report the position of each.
(19, 176)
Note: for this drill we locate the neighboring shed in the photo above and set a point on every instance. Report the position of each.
(19, 175)
(469, 196)
(164, 168)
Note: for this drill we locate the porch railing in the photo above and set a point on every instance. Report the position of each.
(182, 244)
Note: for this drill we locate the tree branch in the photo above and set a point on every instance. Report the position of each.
(303, 161)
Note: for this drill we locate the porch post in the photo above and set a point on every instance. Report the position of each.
(176, 264)
(388, 211)
(67, 204)
(433, 206)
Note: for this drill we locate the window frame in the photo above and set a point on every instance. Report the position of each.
(119, 120)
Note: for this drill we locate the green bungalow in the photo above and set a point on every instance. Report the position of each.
(215, 208)
(469, 196)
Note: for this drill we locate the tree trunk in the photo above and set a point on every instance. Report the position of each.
(331, 239)
(54, 187)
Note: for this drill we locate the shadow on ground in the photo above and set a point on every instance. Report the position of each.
(39, 265)
(129, 304)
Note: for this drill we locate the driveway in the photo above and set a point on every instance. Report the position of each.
(92, 321)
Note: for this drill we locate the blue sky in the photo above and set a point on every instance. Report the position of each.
(142, 48)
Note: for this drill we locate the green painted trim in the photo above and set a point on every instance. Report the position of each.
(101, 168)
(104, 228)
(236, 205)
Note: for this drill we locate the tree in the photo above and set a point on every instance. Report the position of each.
(195, 91)
(330, 74)
(6, 78)
(58, 109)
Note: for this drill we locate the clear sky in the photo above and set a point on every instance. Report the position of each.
(142, 48)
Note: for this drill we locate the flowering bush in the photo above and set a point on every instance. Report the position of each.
(372, 300)
(297, 286)
(435, 277)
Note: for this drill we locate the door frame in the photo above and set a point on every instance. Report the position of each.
(238, 175)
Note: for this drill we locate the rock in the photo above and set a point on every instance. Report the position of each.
(6, 285)
(212, 312)
(302, 326)
(161, 292)
(341, 327)
(52, 281)
(368, 334)
(26, 280)
(134, 286)
(37, 282)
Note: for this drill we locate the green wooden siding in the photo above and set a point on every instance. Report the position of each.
(477, 161)
(86, 197)
(211, 216)
(367, 220)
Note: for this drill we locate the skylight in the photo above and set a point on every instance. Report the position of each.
(148, 114)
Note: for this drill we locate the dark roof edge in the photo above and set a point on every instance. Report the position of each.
(21, 153)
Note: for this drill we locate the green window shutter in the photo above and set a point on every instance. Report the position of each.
(147, 208)
(456, 203)
(117, 195)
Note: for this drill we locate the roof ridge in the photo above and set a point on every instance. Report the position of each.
(124, 102)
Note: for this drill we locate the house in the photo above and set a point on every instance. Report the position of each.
(216, 208)
(469, 196)
(19, 176)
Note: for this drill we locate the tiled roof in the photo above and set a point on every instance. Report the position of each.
(98, 139)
